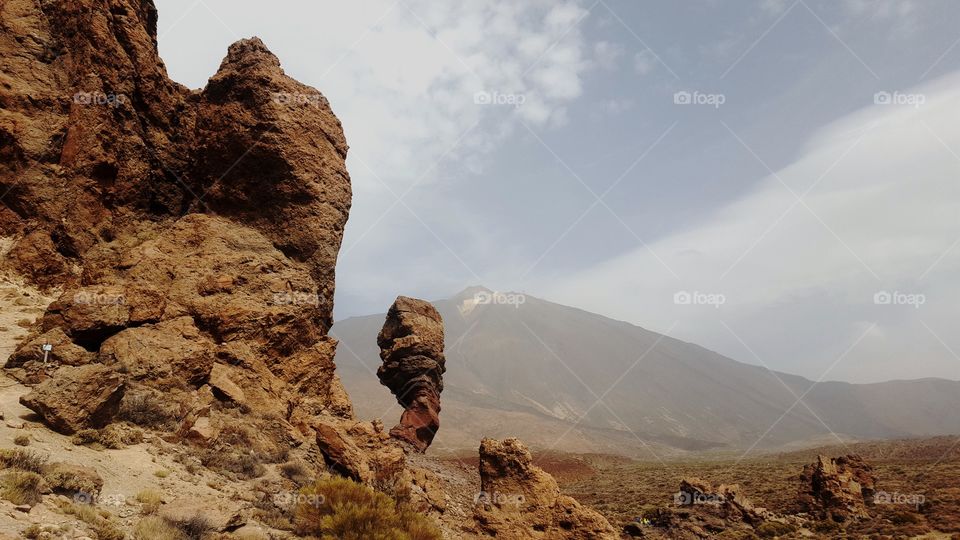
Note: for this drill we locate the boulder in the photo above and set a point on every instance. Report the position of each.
(76, 398)
(74, 480)
(518, 500)
(63, 353)
(838, 489)
(171, 354)
(411, 347)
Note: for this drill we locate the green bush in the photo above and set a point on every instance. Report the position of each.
(341, 509)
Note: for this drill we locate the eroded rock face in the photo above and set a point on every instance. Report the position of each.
(96, 140)
(837, 488)
(411, 347)
(77, 397)
(518, 500)
(186, 230)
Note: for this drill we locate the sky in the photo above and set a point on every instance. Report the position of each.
(775, 180)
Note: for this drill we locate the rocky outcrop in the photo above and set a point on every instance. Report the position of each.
(518, 500)
(411, 347)
(97, 139)
(838, 489)
(77, 397)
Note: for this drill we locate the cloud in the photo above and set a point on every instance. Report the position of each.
(644, 62)
(799, 278)
(607, 54)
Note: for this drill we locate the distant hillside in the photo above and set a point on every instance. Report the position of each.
(533, 369)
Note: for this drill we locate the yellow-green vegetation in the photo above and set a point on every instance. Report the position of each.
(151, 500)
(22, 440)
(338, 508)
(162, 473)
(155, 528)
(25, 460)
(99, 522)
(21, 487)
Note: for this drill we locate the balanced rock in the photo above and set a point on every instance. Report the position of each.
(837, 488)
(519, 501)
(411, 347)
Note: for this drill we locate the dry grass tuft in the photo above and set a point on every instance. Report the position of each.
(21, 487)
(25, 460)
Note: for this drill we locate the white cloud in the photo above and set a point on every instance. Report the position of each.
(607, 54)
(644, 62)
(886, 210)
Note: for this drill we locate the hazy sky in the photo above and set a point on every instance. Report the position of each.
(546, 146)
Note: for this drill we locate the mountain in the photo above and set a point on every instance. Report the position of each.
(519, 365)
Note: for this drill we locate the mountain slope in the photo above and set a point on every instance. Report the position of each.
(540, 369)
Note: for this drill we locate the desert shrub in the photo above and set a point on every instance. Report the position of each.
(111, 437)
(71, 480)
(235, 460)
(773, 529)
(21, 487)
(22, 440)
(297, 472)
(162, 473)
(32, 532)
(155, 528)
(906, 518)
(828, 526)
(25, 460)
(148, 410)
(193, 527)
(343, 509)
(151, 500)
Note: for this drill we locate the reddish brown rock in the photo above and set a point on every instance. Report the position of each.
(837, 488)
(520, 501)
(411, 347)
(77, 398)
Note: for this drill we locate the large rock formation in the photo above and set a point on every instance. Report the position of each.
(837, 488)
(97, 140)
(519, 501)
(411, 347)
(192, 233)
